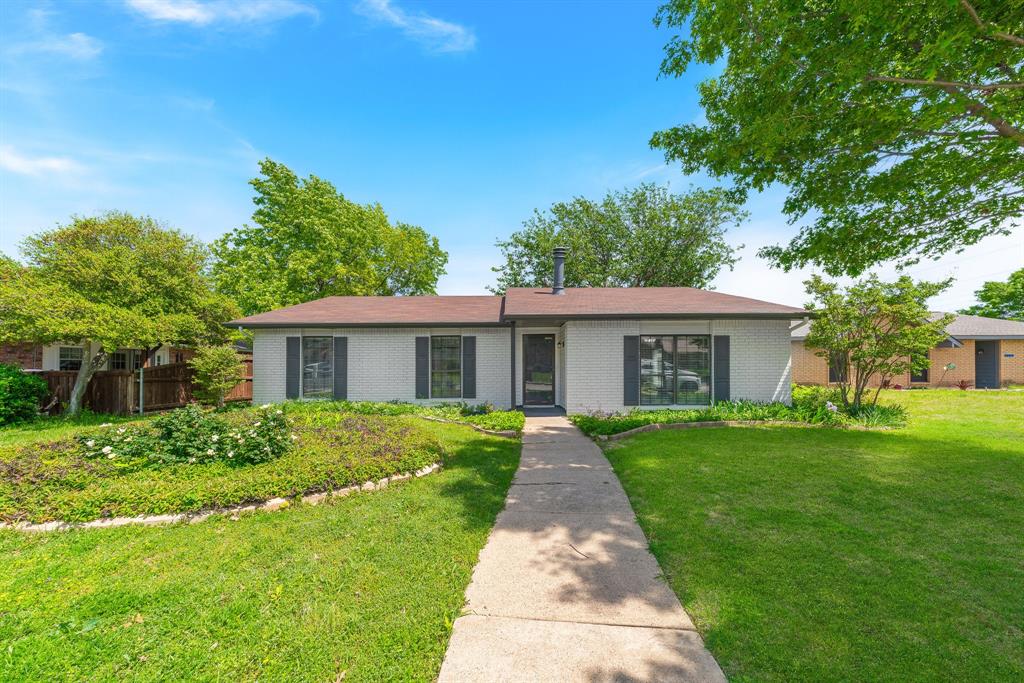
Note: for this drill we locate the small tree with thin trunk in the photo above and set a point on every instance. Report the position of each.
(217, 370)
(110, 282)
(873, 330)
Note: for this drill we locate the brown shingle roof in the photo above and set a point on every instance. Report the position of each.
(962, 327)
(639, 301)
(382, 310)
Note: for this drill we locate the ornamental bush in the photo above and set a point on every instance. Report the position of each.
(20, 394)
(217, 370)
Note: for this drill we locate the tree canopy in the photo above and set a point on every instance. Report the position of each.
(307, 241)
(643, 237)
(873, 330)
(898, 127)
(1000, 299)
(109, 282)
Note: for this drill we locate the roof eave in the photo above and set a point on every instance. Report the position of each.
(656, 316)
(293, 325)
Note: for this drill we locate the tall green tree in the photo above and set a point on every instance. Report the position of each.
(109, 282)
(643, 237)
(873, 330)
(898, 127)
(307, 241)
(1000, 299)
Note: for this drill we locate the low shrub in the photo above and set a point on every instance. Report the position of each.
(216, 371)
(483, 415)
(191, 435)
(813, 405)
(21, 393)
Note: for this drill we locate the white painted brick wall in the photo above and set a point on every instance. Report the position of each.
(759, 359)
(382, 363)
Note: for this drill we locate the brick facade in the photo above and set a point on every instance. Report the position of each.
(25, 356)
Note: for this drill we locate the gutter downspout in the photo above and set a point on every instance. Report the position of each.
(513, 364)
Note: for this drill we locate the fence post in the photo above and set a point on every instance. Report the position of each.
(141, 392)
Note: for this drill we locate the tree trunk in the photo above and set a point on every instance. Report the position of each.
(94, 359)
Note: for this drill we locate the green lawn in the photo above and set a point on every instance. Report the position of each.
(367, 586)
(820, 554)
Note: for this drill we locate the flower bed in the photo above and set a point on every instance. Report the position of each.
(811, 405)
(482, 415)
(67, 481)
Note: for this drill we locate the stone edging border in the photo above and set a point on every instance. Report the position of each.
(271, 505)
(657, 426)
(507, 433)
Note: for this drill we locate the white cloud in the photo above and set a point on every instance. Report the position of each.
(437, 35)
(221, 11)
(77, 46)
(16, 162)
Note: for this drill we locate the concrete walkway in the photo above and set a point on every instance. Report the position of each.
(566, 589)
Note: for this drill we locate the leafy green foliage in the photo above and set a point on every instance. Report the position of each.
(21, 394)
(308, 242)
(482, 415)
(1000, 299)
(873, 330)
(644, 237)
(71, 480)
(109, 282)
(216, 371)
(809, 405)
(897, 126)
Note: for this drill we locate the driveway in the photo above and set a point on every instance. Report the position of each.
(566, 588)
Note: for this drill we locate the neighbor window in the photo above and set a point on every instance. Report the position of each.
(317, 367)
(70, 358)
(836, 368)
(919, 375)
(675, 370)
(446, 367)
(119, 360)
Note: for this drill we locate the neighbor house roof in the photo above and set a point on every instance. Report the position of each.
(382, 310)
(598, 302)
(638, 302)
(962, 327)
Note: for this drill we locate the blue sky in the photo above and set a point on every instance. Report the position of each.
(459, 117)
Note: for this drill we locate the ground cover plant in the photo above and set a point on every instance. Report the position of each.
(812, 405)
(188, 460)
(482, 415)
(363, 588)
(812, 554)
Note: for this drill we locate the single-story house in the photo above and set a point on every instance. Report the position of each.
(585, 349)
(984, 352)
(69, 357)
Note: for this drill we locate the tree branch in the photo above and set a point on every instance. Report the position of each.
(947, 84)
(1009, 37)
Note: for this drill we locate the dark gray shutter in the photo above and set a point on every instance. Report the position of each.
(631, 371)
(340, 368)
(721, 367)
(469, 367)
(292, 366)
(422, 367)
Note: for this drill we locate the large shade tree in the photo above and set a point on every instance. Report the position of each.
(643, 237)
(109, 282)
(898, 127)
(308, 241)
(1000, 299)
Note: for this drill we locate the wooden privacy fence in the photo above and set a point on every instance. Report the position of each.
(117, 391)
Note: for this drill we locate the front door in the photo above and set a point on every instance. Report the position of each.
(986, 364)
(539, 369)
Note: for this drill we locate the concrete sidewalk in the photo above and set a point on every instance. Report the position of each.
(566, 589)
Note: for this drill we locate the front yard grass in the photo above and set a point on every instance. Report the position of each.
(364, 588)
(846, 555)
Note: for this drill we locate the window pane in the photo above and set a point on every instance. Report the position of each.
(836, 368)
(446, 367)
(317, 367)
(693, 370)
(119, 360)
(70, 358)
(920, 375)
(656, 368)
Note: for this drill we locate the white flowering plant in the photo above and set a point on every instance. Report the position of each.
(122, 445)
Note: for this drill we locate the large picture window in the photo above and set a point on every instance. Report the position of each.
(920, 375)
(675, 370)
(70, 358)
(317, 367)
(446, 367)
(836, 368)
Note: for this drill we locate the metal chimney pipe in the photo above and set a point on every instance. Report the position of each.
(559, 256)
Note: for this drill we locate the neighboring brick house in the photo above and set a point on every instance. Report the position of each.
(987, 353)
(69, 357)
(586, 349)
